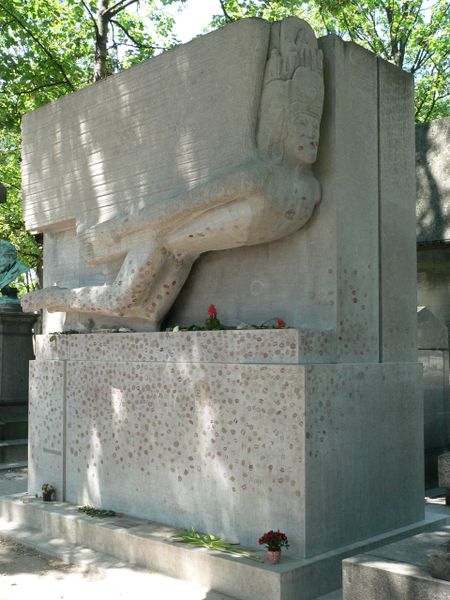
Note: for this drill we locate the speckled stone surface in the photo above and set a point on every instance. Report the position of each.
(285, 346)
(228, 447)
(46, 425)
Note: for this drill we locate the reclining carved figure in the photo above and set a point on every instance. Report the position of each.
(269, 197)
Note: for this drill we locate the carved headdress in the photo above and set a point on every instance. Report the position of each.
(293, 80)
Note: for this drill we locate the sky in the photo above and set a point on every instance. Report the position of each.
(193, 17)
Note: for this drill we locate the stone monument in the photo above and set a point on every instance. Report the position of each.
(211, 180)
(16, 350)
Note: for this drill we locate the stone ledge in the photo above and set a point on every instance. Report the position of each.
(397, 571)
(147, 544)
(245, 346)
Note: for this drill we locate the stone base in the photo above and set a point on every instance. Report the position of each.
(226, 432)
(398, 571)
(59, 529)
(16, 350)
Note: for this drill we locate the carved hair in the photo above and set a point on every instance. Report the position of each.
(293, 84)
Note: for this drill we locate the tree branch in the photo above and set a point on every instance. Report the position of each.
(39, 43)
(40, 87)
(118, 6)
(133, 39)
(228, 17)
(94, 20)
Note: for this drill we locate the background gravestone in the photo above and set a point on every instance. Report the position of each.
(432, 344)
(433, 217)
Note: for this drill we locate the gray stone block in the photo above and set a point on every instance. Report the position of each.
(269, 440)
(436, 402)
(397, 214)
(433, 180)
(432, 333)
(399, 571)
(433, 275)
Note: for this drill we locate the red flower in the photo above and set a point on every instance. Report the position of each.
(274, 540)
(281, 324)
(212, 312)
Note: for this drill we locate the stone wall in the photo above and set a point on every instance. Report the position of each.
(433, 216)
(433, 181)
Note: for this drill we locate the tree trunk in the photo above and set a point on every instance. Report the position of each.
(101, 40)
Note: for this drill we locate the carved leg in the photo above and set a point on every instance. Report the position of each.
(167, 286)
(223, 227)
(124, 297)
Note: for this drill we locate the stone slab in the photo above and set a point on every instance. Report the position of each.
(398, 571)
(433, 274)
(433, 177)
(284, 346)
(436, 398)
(432, 333)
(148, 544)
(175, 125)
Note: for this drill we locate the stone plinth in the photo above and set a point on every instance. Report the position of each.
(398, 571)
(227, 432)
(16, 350)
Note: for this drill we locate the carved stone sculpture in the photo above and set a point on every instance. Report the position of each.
(266, 198)
(10, 269)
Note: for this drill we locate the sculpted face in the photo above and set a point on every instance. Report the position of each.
(302, 140)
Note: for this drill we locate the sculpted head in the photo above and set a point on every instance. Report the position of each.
(292, 97)
(8, 256)
(10, 267)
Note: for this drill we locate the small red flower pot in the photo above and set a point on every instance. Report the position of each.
(274, 556)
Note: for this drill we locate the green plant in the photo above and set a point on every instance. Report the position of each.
(96, 512)
(212, 542)
(47, 489)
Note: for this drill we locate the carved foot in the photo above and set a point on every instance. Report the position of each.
(52, 298)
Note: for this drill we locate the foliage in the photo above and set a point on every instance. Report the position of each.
(48, 49)
(96, 512)
(412, 34)
(212, 542)
(212, 323)
(47, 489)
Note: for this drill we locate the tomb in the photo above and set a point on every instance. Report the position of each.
(198, 183)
